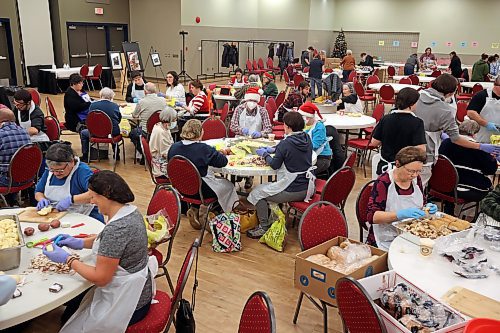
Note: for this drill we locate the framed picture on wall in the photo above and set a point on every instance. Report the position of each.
(115, 60)
(155, 58)
(133, 61)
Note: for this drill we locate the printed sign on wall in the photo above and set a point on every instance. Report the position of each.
(495, 45)
(449, 44)
(395, 43)
(381, 43)
(463, 44)
(474, 44)
(434, 44)
(414, 44)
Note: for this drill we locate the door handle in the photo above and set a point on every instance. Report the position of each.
(3, 58)
(78, 56)
(99, 55)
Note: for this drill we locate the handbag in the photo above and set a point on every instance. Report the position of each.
(184, 319)
(225, 228)
(248, 218)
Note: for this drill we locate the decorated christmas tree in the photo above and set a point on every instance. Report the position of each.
(340, 46)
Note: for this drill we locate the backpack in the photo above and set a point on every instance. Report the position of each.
(226, 230)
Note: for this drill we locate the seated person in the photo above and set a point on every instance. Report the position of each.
(295, 180)
(350, 101)
(490, 205)
(294, 100)
(253, 81)
(427, 59)
(203, 156)
(399, 129)
(317, 131)
(249, 118)
(238, 80)
(29, 116)
(199, 103)
(473, 166)
(65, 182)
(269, 87)
(76, 104)
(110, 108)
(160, 142)
(175, 89)
(397, 194)
(135, 90)
(366, 60)
(7, 288)
(119, 264)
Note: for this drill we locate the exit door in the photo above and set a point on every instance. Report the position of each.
(87, 45)
(7, 65)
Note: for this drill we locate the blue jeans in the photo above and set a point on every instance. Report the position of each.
(316, 83)
(409, 69)
(345, 75)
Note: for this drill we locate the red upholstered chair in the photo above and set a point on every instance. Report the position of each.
(362, 207)
(360, 91)
(356, 308)
(378, 113)
(260, 64)
(414, 79)
(280, 99)
(461, 96)
(53, 131)
(148, 158)
(258, 315)
(352, 76)
(52, 112)
(387, 94)
(289, 83)
(306, 70)
(477, 88)
(96, 75)
(161, 314)
(435, 73)
(371, 80)
(405, 80)
(213, 128)
(224, 112)
(362, 146)
(271, 67)
(153, 119)
(35, 96)
(391, 71)
(262, 101)
(166, 198)
(84, 73)
(256, 68)
(101, 128)
(297, 79)
(23, 169)
(350, 161)
(461, 111)
(249, 67)
(271, 108)
(322, 221)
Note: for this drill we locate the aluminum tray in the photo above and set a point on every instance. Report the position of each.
(10, 258)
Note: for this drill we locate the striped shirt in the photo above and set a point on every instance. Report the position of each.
(199, 104)
(235, 121)
(12, 137)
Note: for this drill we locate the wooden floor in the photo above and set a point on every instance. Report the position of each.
(225, 280)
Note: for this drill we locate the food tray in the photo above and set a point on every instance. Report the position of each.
(10, 258)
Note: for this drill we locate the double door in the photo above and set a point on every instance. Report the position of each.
(7, 66)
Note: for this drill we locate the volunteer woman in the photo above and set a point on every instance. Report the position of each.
(203, 156)
(238, 80)
(135, 91)
(29, 116)
(175, 89)
(317, 131)
(160, 142)
(350, 102)
(397, 195)
(484, 108)
(199, 103)
(399, 129)
(295, 179)
(120, 267)
(65, 183)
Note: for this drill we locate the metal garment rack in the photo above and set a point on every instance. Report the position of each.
(264, 41)
(219, 74)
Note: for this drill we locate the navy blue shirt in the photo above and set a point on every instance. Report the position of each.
(112, 110)
(316, 69)
(200, 154)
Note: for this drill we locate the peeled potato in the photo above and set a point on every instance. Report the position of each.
(45, 211)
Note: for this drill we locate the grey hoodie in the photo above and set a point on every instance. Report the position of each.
(438, 116)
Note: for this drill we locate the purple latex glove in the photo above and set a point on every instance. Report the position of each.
(256, 134)
(42, 204)
(64, 204)
(69, 241)
(57, 255)
(245, 131)
(270, 150)
(490, 149)
(444, 136)
(261, 151)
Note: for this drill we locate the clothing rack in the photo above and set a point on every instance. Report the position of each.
(265, 41)
(219, 74)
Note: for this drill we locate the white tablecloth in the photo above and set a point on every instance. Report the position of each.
(127, 111)
(225, 97)
(485, 85)
(347, 123)
(397, 86)
(36, 299)
(422, 79)
(62, 73)
(323, 76)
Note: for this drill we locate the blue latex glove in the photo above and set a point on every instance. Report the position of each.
(57, 255)
(161, 95)
(491, 127)
(444, 136)
(270, 150)
(64, 204)
(256, 134)
(69, 241)
(432, 208)
(410, 213)
(42, 204)
(245, 131)
(135, 100)
(177, 103)
(489, 148)
(261, 151)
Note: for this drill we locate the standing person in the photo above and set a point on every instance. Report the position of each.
(484, 108)
(135, 90)
(160, 142)
(270, 89)
(348, 64)
(316, 130)
(238, 80)
(434, 109)
(295, 179)
(366, 60)
(480, 69)
(399, 129)
(29, 116)
(199, 103)
(294, 100)
(76, 104)
(410, 64)
(427, 59)
(305, 55)
(175, 89)
(493, 63)
(316, 68)
(119, 267)
(350, 102)
(455, 66)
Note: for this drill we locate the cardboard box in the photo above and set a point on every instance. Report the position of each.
(376, 284)
(319, 281)
(332, 62)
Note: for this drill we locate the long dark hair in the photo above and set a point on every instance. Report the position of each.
(176, 79)
(111, 186)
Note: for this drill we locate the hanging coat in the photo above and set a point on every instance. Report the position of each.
(271, 51)
(225, 55)
(233, 55)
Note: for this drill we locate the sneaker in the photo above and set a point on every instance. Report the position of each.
(256, 232)
(192, 215)
(248, 183)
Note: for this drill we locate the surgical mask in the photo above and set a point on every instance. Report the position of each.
(251, 105)
(172, 125)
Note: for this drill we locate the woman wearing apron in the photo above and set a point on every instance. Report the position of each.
(399, 129)
(350, 102)
(484, 108)
(295, 179)
(29, 116)
(64, 184)
(203, 156)
(397, 195)
(135, 90)
(317, 132)
(120, 268)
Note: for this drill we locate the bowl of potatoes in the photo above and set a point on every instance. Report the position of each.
(11, 241)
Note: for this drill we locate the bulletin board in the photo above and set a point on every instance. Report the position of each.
(390, 46)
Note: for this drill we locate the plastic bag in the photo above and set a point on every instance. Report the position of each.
(158, 227)
(276, 234)
(125, 127)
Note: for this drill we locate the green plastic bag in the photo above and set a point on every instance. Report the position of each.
(276, 234)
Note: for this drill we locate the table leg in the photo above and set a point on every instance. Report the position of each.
(346, 140)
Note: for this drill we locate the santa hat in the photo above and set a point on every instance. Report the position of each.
(308, 109)
(269, 75)
(253, 94)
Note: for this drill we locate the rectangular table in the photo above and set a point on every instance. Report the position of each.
(52, 81)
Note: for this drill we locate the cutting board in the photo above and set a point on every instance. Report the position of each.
(30, 215)
(471, 303)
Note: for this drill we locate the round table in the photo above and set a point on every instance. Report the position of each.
(434, 273)
(36, 298)
(220, 100)
(326, 108)
(397, 86)
(486, 85)
(348, 123)
(421, 79)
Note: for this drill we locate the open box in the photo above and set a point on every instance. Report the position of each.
(376, 284)
(319, 281)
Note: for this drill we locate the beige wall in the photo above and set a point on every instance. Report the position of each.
(8, 10)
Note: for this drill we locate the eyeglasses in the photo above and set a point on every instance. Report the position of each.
(19, 103)
(412, 172)
(59, 171)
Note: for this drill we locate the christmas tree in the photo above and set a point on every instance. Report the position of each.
(340, 46)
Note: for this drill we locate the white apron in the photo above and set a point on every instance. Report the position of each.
(490, 113)
(357, 108)
(109, 309)
(140, 94)
(253, 123)
(385, 233)
(40, 136)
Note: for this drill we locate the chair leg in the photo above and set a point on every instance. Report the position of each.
(297, 308)
(114, 156)
(325, 317)
(4, 200)
(123, 150)
(88, 154)
(98, 153)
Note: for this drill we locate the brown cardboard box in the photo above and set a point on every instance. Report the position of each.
(332, 62)
(319, 281)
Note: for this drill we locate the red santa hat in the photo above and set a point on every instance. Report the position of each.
(309, 109)
(269, 75)
(253, 94)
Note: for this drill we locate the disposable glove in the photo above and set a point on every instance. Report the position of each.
(489, 148)
(42, 204)
(256, 134)
(64, 204)
(245, 131)
(432, 208)
(410, 213)
(69, 241)
(57, 254)
(491, 127)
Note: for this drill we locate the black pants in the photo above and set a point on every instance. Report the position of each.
(135, 137)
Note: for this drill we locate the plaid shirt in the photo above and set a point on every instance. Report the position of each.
(294, 100)
(235, 121)
(12, 137)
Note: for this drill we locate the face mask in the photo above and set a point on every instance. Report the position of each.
(251, 105)
(172, 125)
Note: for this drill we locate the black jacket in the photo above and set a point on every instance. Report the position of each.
(225, 55)
(129, 97)
(368, 61)
(73, 104)
(456, 67)
(37, 118)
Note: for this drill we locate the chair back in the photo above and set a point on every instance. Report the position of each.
(352, 76)
(359, 89)
(99, 124)
(262, 101)
(271, 107)
(270, 63)
(286, 77)
(435, 73)
(405, 80)
(35, 96)
(444, 177)
(461, 111)
(183, 277)
(297, 79)
(378, 112)
(391, 71)
(153, 119)
(372, 79)
(386, 92)
(414, 79)
(212, 86)
(53, 130)
(356, 308)
(260, 63)
(213, 128)
(362, 206)
(280, 99)
(184, 176)
(306, 69)
(84, 71)
(338, 187)
(477, 88)
(51, 108)
(97, 70)
(249, 66)
(350, 161)
(24, 165)
(255, 66)
(224, 112)
(148, 157)
(258, 315)
(375, 71)
(167, 198)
